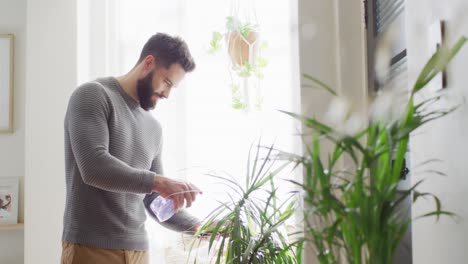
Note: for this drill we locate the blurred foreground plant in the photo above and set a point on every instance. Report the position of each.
(354, 215)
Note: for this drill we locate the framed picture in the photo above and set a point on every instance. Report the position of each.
(6, 82)
(9, 187)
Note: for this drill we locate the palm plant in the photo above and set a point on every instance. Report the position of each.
(248, 228)
(353, 215)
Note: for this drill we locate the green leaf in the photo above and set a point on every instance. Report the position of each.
(215, 43)
(320, 83)
(232, 24)
(259, 75)
(233, 182)
(436, 213)
(310, 122)
(437, 63)
(261, 62)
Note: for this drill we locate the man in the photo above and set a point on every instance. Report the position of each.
(113, 159)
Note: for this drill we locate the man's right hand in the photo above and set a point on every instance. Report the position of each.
(179, 192)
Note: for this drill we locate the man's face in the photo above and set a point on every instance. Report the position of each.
(158, 84)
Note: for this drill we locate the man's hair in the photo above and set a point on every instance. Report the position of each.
(168, 50)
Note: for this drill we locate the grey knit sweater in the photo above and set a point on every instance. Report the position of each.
(112, 154)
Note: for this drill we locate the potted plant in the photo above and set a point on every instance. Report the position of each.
(244, 46)
(250, 227)
(242, 40)
(352, 215)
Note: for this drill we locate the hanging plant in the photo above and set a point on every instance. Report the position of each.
(244, 45)
(243, 42)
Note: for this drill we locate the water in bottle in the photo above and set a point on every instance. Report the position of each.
(163, 208)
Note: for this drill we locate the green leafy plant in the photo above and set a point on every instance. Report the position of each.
(242, 42)
(237, 101)
(242, 39)
(353, 215)
(248, 228)
(215, 43)
(234, 24)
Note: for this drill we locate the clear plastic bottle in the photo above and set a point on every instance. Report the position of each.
(162, 208)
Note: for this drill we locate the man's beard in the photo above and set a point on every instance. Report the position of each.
(145, 92)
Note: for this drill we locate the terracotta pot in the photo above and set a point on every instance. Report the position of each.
(238, 47)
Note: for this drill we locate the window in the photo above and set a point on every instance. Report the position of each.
(201, 130)
(385, 21)
(386, 44)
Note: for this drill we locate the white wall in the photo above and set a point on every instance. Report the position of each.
(445, 139)
(318, 57)
(332, 48)
(317, 50)
(13, 20)
(51, 76)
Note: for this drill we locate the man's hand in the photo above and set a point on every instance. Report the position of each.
(175, 190)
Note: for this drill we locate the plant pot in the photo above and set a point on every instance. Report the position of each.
(242, 50)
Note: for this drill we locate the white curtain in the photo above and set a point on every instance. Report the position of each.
(201, 131)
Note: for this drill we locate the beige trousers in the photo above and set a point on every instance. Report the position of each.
(81, 254)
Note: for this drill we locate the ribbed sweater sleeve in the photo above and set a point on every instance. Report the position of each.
(182, 221)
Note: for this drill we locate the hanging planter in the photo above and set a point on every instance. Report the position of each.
(243, 42)
(243, 49)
